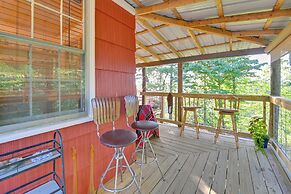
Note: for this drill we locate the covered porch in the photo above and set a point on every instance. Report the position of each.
(61, 60)
(198, 166)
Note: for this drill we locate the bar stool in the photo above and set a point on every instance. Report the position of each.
(224, 109)
(106, 110)
(190, 108)
(145, 127)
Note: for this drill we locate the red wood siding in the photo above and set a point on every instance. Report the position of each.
(115, 69)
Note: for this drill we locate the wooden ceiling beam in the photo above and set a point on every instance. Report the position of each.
(196, 49)
(140, 58)
(159, 37)
(147, 49)
(228, 19)
(155, 33)
(205, 57)
(196, 41)
(205, 29)
(284, 34)
(276, 7)
(237, 33)
(190, 32)
(242, 17)
(138, 3)
(220, 13)
(165, 5)
(257, 32)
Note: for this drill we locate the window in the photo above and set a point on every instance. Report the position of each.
(41, 59)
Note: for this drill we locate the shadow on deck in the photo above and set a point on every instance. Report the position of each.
(199, 166)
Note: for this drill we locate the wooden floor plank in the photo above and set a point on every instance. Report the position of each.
(196, 173)
(218, 185)
(256, 173)
(179, 182)
(197, 144)
(163, 186)
(271, 180)
(170, 147)
(183, 146)
(284, 182)
(245, 179)
(199, 166)
(232, 182)
(206, 180)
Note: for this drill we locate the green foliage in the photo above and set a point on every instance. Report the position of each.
(258, 130)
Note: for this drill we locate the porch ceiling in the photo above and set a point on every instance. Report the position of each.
(176, 29)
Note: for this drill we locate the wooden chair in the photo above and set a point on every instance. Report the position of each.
(106, 110)
(227, 106)
(192, 107)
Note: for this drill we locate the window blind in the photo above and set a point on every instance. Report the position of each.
(41, 59)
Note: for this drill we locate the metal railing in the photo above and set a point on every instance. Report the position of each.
(280, 127)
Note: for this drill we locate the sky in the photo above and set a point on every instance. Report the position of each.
(262, 58)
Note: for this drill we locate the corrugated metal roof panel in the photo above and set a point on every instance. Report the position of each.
(204, 10)
(147, 39)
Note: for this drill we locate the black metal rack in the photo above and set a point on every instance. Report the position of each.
(24, 159)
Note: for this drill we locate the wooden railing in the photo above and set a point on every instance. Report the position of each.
(251, 105)
(276, 111)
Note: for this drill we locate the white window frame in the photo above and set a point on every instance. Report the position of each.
(22, 130)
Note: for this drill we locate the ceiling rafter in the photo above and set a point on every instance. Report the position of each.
(220, 12)
(155, 33)
(196, 41)
(197, 49)
(159, 37)
(140, 58)
(206, 29)
(242, 17)
(190, 32)
(276, 7)
(165, 5)
(238, 33)
(147, 49)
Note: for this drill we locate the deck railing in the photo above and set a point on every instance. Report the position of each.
(276, 111)
(250, 105)
(280, 122)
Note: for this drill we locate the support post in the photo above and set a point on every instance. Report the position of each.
(180, 90)
(275, 91)
(144, 84)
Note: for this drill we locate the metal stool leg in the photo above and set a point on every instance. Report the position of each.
(132, 173)
(142, 158)
(156, 159)
(103, 175)
(116, 175)
(118, 156)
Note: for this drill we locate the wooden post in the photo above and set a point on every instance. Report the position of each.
(144, 84)
(180, 90)
(275, 91)
(264, 111)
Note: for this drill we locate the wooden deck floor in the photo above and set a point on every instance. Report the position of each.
(198, 166)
